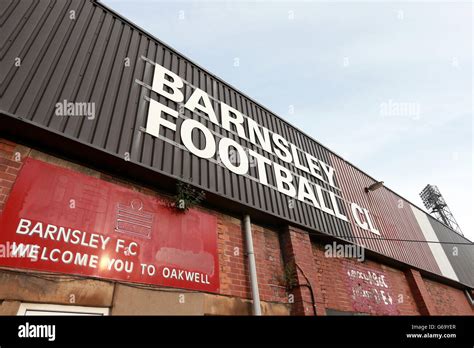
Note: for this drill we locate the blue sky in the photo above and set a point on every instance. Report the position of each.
(338, 71)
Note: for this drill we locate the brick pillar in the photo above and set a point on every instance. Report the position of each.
(11, 159)
(420, 293)
(297, 249)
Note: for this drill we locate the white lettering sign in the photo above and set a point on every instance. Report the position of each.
(287, 181)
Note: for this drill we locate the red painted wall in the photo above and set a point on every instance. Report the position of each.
(348, 285)
(117, 231)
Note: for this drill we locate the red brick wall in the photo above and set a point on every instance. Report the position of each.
(419, 291)
(11, 160)
(335, 282)
(297, 251)
(448, 300)
(234, 264)
(269, 264)
(346, 285)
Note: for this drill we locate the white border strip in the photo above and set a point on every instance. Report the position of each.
(436, 248)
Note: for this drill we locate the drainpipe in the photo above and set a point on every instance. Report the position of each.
(253, 269)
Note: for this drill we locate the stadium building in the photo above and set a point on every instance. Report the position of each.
(133, 181)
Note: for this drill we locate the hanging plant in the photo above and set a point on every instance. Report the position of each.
(187, 196)
(289, 277)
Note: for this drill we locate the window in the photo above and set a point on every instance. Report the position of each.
(52, 309)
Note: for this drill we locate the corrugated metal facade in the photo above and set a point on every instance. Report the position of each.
(436, 247)
(461, 256)
(393, 217)
(82, 59)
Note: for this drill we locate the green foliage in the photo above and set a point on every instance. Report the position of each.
(289, 280)
(187, 196)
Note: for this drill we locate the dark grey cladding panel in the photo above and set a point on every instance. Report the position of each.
(461, 256)
(75, 50)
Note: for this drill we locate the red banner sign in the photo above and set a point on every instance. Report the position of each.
(62, 221)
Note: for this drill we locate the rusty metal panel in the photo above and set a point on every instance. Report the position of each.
(393, 217)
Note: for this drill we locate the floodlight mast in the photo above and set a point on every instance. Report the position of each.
(436, 205)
